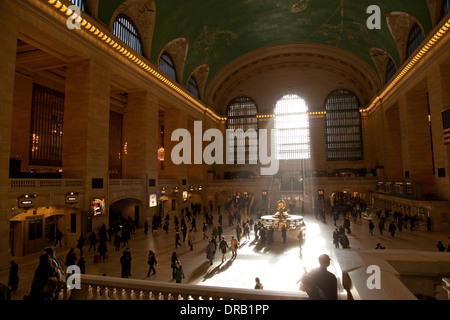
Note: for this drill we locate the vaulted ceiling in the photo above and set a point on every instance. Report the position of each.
(221, 33)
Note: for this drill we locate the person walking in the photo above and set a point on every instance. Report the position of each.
(284, 233)
(429, 224)
(81, 242)
(81, 263)
(205, 227)
(116, 242)
(234, 246)
(392, 229)
(191, 240)
(324, 279)
(58, 237)
(336, 238)
(179, 273)
(258, 285)
(381, 227)
(174, 260)
(211, 252)
(13, 280)
(92, 241)
(223, 246)
(102, 250)
(177, 240)
(151, 262)
(44, 283)
(125, 263)
(71, 258)
(146, 227)
(371, 227)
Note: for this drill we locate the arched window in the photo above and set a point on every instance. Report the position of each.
(242, 116)
(80, 4)
(193, 87)
(343, 126)
(415, 39)
(445, 8)
(167, 66)
(390, 70)
(292, 128)
(125, 30)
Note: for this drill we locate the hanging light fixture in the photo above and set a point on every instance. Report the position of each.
(161, 154)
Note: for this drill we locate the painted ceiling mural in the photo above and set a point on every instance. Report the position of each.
(220, 31)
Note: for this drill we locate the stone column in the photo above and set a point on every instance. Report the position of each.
(8, 39)
(439, 97)
(86, 129)
(416, 144)
(141, 131)
(173, 119)
(393, 143)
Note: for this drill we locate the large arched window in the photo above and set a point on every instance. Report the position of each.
(445, 8)
(80, 4)
(167, 66)
(292, 128)
(415, 39)
(242, 116)
(343, 126)
(193, 87)
(390, 70)
(125, 30)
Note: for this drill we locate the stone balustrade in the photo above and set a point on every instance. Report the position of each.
(446, 286)
(111, 288)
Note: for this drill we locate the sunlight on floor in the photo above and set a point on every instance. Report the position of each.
(278, 265)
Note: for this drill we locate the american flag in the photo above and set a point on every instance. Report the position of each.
(446, 123)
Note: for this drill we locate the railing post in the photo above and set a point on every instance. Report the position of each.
(446, 286)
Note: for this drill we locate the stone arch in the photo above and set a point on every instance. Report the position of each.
(177, 50)
(435, 7)
(400, 24)
(142, 13)
(201, 75)
(381, 59)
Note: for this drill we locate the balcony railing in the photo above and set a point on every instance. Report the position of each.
(17, 184)
(111, 288)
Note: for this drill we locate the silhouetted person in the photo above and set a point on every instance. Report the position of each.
(324, 279)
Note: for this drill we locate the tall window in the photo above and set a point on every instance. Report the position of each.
(193, 87)
(292, 128)
(242, 115)
(80, 4)
(390, 70)
(343, 126)
(46, 131)
(415, 39)
(167, 66)
(445, 8)
(125, 30)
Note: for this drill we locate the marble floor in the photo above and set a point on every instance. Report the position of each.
(279, 265)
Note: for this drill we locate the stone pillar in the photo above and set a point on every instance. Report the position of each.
(173, 119)
(416, 143)
(8, 39)
(393, 143)
(141, 131)
(86, 129)
(439, 98)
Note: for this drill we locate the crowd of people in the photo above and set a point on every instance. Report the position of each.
(50, 276)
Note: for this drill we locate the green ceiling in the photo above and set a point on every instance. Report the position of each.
(222, 30)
